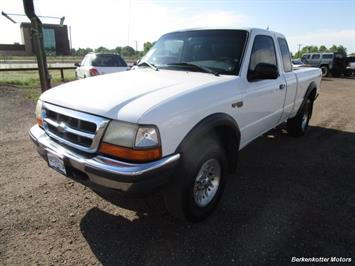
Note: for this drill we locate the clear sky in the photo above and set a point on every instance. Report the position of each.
(112, 23)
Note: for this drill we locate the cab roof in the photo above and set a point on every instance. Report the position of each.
(250, 30)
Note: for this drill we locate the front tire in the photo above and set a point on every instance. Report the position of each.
(298, 125)
(199, 182)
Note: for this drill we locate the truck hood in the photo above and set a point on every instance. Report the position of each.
(126, 95)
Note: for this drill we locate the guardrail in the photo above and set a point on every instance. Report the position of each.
(61, 69)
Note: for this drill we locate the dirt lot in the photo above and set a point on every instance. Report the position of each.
(291, 197)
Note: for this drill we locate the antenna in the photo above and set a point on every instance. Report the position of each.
(7, 16)
(267, 28)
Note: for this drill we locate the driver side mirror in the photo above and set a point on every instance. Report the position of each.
(263, 71)
(77, 64)
(136, 62)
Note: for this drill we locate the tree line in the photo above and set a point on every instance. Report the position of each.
(321, 49)
(126, 51)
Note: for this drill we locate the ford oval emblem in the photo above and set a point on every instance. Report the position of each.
(61, 127)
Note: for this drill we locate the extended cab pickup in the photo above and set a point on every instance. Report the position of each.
(178, 119)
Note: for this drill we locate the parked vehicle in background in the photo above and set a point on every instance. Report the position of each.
(350, 69)
(296, 63)
(176, 123)
(329, 63)
(95, 64)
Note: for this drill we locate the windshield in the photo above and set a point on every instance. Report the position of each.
(218, 50)
(108, 60)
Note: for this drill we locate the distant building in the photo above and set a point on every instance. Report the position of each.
(55, 40)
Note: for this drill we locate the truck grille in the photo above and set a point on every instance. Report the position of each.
(77, 129)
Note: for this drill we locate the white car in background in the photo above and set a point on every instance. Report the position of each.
(95, 64)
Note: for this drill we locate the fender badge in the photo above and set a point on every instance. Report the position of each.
(237, 104)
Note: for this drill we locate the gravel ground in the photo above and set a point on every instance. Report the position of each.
(290, 197)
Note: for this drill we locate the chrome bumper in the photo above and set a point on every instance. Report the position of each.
(105, 171)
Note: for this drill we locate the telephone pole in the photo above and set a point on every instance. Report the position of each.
(299, 48)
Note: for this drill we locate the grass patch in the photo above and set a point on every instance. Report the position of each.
(29, 80)
(6, 58)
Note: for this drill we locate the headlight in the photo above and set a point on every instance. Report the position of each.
(131, 142)
(39, 113)
(121, 134)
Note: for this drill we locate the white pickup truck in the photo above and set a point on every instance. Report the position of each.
(178, 119)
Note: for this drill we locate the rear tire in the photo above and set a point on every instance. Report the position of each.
(199, 182)
(298, 125)
(325, 71)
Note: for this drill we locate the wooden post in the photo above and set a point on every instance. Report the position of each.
(62, 74)
(36, 31)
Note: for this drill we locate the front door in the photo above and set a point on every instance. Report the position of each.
(263, 99)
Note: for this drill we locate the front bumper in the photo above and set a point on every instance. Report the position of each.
(95, 170)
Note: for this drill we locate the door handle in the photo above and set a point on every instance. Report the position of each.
(282, 86)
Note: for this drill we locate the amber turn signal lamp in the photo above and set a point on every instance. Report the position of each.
(39, 121)
(130, 154)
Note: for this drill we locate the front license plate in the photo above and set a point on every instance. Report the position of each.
(57, 163)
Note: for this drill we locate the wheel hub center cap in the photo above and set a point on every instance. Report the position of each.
(207, 182)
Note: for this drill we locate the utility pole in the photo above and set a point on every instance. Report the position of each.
(37, 36)
(70, 41)
(129, 22)
(299, 48)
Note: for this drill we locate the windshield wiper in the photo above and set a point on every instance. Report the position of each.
(204, 69)
(148, 64)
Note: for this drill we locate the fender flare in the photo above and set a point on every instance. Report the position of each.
(311, 87)
(210, 125)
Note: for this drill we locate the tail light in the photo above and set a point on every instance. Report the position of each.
(93, 72)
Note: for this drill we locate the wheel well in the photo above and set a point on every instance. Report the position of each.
(229, 140)
(221, 126)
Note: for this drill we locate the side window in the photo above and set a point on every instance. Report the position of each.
(285, 52)
(316, 56)
(263, 52)
(327, 56)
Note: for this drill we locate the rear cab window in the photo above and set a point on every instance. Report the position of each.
(285, 53)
